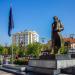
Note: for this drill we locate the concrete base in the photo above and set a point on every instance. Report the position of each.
(43, 70)
(51, 67)
(43, 63)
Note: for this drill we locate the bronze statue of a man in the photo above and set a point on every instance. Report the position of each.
(57, 27)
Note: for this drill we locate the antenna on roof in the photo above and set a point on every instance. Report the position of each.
(72, 36)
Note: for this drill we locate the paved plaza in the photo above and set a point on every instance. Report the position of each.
(5, 73)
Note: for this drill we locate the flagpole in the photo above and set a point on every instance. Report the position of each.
(11, 38)
(12, 49)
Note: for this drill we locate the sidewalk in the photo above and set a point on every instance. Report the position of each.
(13, 69)
(5, 73)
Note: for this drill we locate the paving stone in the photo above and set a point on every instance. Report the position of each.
(5, 73)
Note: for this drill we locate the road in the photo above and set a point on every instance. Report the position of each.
(5, 73)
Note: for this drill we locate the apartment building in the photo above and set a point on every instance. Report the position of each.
(25, 38)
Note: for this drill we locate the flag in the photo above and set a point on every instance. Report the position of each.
(10, 23)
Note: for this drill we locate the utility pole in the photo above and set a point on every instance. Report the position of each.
(72, 36)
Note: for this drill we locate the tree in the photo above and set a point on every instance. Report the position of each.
(22, 51)
(15, 50)
(5, 51)
(34, 49)
(1, 49)
(63, 50)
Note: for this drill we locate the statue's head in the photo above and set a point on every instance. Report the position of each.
(55, 18)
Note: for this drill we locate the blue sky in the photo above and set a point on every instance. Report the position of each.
(36, 15)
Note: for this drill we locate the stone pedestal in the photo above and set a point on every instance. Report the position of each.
(51, 66)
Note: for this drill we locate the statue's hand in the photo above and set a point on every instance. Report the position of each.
(59, 30)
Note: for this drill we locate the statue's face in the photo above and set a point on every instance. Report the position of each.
(55, 18)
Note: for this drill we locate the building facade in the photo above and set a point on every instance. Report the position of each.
(67, 41)
(25, 38)
(71, 41)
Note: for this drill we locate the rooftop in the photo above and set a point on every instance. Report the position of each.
(71, 40)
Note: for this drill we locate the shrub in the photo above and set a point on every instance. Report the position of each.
(21, 61)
